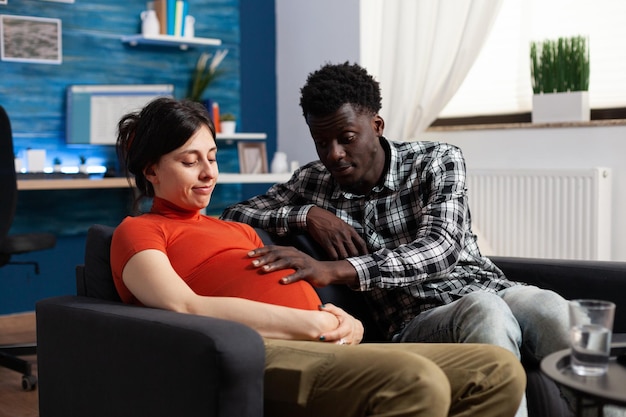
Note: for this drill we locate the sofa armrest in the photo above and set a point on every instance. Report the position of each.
(103, 358)
(605, 280)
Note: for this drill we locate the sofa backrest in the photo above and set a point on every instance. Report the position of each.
(94, 278)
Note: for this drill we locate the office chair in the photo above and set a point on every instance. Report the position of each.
(13, 244)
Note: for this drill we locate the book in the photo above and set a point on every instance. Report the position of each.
(216, 117)
(171, 16)
(160, 7)
(179, 20)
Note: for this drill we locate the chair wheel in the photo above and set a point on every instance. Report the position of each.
(29, 382)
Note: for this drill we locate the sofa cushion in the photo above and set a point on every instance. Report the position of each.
(98, 278)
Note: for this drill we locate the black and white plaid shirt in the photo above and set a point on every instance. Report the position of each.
(416, 224)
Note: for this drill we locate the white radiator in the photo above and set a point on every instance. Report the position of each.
(561, 214)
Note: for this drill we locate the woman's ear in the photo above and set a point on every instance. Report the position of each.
(150, 174)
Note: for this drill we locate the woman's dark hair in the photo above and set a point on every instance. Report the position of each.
(145, 136)
(334, 85)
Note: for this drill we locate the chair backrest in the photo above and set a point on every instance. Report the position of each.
(8, 178)
(95, 278)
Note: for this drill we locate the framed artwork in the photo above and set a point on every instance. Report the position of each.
(30, 39)
(252, 158)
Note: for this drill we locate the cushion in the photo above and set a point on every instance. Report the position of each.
(98, 278)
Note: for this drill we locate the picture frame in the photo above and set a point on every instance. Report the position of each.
(30, 39)
(252, 157)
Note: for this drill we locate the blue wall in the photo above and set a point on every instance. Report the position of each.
(34, 96)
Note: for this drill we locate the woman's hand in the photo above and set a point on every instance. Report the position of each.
(349, 331)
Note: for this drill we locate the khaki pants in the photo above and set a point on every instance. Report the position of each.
(390, 379)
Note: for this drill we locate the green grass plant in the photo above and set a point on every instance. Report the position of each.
(560, 65)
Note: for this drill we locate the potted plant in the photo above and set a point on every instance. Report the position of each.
(205, 73)
(228, 123)
(560, 80)
(82, 168)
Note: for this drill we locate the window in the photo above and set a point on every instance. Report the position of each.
(499, 81)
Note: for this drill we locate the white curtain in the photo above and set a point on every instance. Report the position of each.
(420, 51)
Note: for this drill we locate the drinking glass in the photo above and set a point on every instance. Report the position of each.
(591, 325)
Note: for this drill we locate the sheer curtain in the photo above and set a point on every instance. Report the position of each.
(420, 51)
(499, 81)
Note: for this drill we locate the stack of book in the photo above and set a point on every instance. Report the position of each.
(171, 14)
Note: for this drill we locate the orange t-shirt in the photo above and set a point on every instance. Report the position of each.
(209, 254)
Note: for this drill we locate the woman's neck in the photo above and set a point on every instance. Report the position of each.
(170, 210)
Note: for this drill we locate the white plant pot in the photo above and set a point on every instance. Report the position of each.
(561, 107)
(228, 127)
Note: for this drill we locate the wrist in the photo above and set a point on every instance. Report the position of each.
(327, 322)
(345, 273)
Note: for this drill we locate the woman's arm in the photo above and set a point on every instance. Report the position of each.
(151, 278)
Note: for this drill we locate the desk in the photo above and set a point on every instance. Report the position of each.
(609, 388)
(121, 182)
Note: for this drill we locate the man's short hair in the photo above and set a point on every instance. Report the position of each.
(334, 85)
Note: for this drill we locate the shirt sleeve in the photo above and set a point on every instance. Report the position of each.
(437, 214)
(132, 236)
(283, 208)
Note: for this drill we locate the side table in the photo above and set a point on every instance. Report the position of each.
(609, 388)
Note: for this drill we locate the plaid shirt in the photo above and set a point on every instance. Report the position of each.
(416, 224)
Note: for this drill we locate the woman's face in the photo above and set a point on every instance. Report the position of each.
(187, 176)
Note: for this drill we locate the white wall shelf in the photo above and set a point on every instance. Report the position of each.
(228, 178)
(167, 40)
(120, 182)
(241, 136)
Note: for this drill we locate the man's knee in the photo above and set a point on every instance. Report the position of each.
(485, 318)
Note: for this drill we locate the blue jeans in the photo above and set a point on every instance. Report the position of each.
(525, 320)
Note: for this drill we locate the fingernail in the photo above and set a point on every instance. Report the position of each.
(255, 262)
(322, 338)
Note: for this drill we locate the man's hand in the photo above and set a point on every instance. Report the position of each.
(338, 238)
(317, 273)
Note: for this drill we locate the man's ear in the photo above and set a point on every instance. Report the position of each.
(378, 124)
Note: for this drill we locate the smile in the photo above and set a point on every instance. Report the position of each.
(205, 189)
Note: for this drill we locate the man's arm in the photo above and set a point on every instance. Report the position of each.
(282, 209)
(298, 206)
(435, 219)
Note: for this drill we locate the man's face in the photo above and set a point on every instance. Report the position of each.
(347, 143)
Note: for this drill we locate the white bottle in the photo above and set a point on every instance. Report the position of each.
(149, 23)
(279, 163)
(190, 22)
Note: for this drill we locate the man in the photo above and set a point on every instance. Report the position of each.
(394, 219)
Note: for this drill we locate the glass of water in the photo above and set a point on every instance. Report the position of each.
(591, 325)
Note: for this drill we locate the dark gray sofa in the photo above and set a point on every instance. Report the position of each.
(99, 357)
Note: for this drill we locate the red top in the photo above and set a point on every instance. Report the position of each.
(209, 254)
